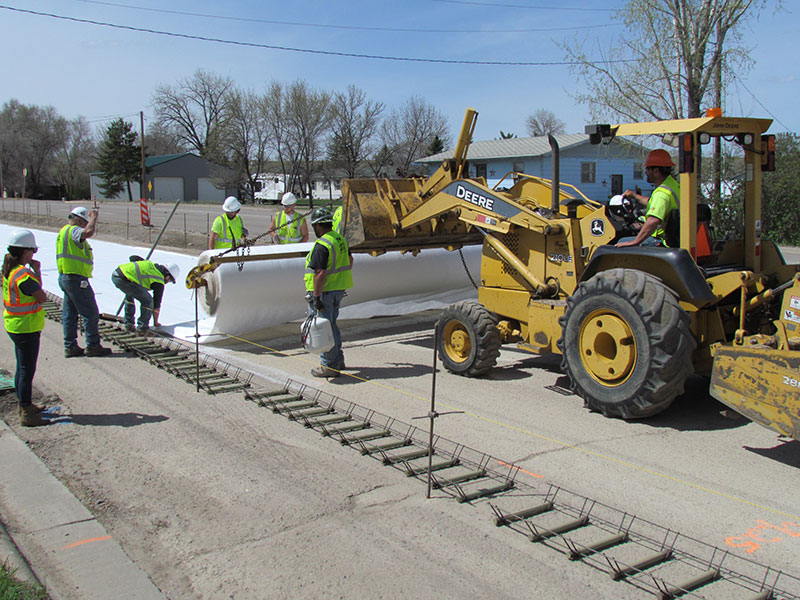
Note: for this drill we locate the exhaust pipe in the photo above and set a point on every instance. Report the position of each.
(555, 191)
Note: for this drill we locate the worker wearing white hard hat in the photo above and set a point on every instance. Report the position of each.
(288, 226)
(228, 230)
(23, 317)
(136, 279)
(75, 263)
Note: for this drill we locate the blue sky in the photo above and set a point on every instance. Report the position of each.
(100, 72)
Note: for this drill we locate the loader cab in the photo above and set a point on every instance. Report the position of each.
(688, 137)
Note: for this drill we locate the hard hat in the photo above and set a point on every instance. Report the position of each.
(321, 215)
(80, 212)
(231, 204)
(22, 238)
(289, 199)
(659, 158)
(174, 270)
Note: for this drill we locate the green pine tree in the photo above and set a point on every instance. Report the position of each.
(119, 159)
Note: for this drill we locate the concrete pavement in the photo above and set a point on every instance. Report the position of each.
(38, 510)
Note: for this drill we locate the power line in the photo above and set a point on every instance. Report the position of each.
(307, 50)
(760, 103)
(347, 27)
(505, 5)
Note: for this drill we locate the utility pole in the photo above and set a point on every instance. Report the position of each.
(142, 187)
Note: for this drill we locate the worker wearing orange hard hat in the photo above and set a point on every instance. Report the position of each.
(664, 199)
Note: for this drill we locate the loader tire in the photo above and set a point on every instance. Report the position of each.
(469, 342)
(626, 344)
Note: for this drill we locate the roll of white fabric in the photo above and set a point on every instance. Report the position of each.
(270, 291)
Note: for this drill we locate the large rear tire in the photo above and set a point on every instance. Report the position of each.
(626, 344)
(469, 342)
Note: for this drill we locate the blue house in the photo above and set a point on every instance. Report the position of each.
(598, 171)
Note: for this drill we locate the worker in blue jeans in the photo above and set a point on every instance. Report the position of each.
(75, 263)
(328, 274)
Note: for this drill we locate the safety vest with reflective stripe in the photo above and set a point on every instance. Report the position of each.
(21, 313)
(338, 226)
(231, 230)
(672, 189)
(287, 228)
(143, 272)
(339, 270)
(72, 258)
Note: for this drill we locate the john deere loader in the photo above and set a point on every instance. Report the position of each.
(631, 324)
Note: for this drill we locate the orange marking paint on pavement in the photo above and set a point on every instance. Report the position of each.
(505, 464)
(89, 541)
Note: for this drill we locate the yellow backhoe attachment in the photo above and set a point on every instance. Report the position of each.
(763, 384)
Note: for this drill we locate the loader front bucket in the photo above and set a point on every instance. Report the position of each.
(373, 208)
(762, 384)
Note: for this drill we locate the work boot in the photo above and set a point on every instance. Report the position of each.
(73, 351)
(129, 327)
(98, 350)
(143, 331)
(29, 417)
(323, 371)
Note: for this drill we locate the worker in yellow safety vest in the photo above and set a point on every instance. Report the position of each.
(136, 280)
(338, 224)
(288, 226)
(329, 272)
(228, 230)
(664, 199)
(23, 317)
(75, 262)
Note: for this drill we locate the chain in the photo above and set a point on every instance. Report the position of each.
(247, 243)
(464, 262)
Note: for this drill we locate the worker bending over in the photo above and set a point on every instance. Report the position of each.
(663, 200)
(228, 230)
(288, 226)
(75, 263)
(329, 272)
(136, 279)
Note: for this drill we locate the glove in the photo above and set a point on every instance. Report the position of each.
(316, 304)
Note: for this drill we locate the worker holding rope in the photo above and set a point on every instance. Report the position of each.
(288, 226)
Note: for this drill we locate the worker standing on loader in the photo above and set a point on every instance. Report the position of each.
(228, 229)
(328, 274)
(663, 200)
(288, 226)
(75, 262)
(136, 279)
(23, 317)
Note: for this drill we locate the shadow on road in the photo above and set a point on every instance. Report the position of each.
(787, 452)
(114, 420)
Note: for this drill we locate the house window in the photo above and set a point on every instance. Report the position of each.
(587, 172)
(638, 170)
(480, 170)
(519, 167)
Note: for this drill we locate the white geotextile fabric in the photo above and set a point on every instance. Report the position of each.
(266, 293)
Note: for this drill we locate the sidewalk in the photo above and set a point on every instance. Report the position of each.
(43, 518)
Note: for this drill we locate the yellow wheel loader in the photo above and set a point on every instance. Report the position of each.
(633, 323)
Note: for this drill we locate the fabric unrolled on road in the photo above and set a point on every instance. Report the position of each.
(270, 292)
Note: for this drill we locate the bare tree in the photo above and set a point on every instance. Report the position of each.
(307, 114)
(159, 140)
(543, 122)
(247, 140)
(197, 110)
(273, 105)
(409, 130)
(354, 124)
(665, 68)
(75, 160)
